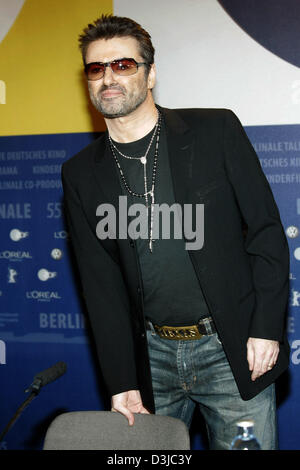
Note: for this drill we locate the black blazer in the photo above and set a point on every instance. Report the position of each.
(243, 267)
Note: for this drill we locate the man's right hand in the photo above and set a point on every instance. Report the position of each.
(128, 403)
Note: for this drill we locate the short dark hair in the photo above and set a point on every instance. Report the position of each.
(110, 26)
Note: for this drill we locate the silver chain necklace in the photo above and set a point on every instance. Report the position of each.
(143, 160)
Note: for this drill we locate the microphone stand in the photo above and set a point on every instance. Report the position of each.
(34, 389)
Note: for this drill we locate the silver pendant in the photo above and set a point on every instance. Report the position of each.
(143, 160)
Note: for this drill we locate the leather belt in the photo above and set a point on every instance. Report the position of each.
(205, 326)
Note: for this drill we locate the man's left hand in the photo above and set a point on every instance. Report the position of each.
(261, 355)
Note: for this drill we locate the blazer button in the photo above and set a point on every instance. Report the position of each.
(131, 243)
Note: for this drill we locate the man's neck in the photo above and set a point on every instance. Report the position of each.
(134, 126)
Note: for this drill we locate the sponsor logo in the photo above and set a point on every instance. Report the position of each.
(295, 296)
(42, 295)
(15, 255)
(12, 274)
(44, 275)
(297, 253)
(292, 231)
(56, 253)
(61, 234)
(16, 234)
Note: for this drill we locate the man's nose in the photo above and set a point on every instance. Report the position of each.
(108, 77)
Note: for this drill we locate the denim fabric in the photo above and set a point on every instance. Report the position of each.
(196, 372)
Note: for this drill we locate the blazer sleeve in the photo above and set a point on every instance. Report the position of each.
(105, 296)
(265, 241)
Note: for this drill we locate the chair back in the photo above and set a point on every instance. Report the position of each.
(106, 430)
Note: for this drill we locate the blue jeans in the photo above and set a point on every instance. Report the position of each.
(186, 373)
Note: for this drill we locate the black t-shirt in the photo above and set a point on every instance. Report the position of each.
(172, 293)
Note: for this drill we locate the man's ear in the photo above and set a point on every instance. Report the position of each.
(152, 77)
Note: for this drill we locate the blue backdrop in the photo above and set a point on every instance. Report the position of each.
(42, 316)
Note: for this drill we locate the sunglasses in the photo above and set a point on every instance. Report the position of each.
(124, 67)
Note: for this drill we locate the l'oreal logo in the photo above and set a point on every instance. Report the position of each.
(42, 295)
(15, 255)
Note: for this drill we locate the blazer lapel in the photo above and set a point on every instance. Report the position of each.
(180, 139)
(181, 149)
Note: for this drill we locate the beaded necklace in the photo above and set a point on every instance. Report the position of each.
(143, 160)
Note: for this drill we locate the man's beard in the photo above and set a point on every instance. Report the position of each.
(114, 108)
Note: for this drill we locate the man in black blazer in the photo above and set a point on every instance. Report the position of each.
(176, 323)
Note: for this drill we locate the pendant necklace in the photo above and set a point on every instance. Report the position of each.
(143, 160)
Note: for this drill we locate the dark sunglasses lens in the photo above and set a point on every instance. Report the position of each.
(94, 71)
(124, 67)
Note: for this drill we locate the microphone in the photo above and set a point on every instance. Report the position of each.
(47, 376)
(39, 380)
